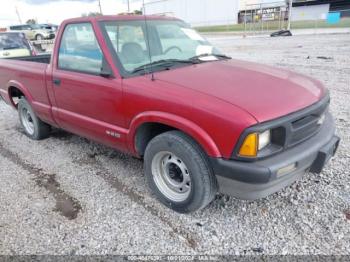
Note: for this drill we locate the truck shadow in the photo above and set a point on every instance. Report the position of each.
(60, 134)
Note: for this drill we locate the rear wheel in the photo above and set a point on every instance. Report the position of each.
(178, 172)
(33, 127)
(39, 37)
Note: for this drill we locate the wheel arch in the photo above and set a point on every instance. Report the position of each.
(16, 89)
(147, 125)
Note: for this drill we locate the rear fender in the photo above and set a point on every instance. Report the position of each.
(20, 87)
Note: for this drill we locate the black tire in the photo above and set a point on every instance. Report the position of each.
(39, 37)
(203, 184)
(41, 130)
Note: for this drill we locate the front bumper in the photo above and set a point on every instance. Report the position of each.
(253, 180)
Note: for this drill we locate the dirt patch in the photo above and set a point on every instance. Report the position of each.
(66, 205)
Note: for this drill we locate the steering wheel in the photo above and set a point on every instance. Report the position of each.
(173, 47)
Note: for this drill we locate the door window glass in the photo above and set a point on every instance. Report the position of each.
(79, 50)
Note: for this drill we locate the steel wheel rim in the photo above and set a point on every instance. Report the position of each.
(27, 120)
(171, 176)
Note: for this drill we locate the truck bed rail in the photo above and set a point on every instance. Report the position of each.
(44, 59)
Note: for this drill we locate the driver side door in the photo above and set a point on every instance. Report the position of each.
(87, 103)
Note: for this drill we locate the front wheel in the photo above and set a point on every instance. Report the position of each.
(178, 172)
(33, 127)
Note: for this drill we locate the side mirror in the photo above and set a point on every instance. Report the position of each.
(106, 70)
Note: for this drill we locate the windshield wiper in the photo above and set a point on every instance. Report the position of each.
(171, 62)
(198, 57)
(163, 62)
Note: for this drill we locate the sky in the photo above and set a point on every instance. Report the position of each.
(55, 11)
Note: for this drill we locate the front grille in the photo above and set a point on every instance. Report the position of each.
(306, 126)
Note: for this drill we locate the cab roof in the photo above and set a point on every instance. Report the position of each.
(120, 18)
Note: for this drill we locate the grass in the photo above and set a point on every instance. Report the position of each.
(274, 25)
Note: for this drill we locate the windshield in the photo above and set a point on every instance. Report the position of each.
(13, 41)
(169, 40)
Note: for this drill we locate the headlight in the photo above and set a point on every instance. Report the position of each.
(255, 142)
(264, 139)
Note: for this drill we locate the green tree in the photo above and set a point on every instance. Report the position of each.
(31, 21)
(91, 14)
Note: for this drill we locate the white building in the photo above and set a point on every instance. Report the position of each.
(206, 12)
(310, 12)
(197, 12)
(223, 12)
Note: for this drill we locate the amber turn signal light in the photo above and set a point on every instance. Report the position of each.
(249, 147)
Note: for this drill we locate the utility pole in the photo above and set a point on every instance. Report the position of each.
(99, 5)
(128, 6)
(18, 15)
(290, 13)
(245, 19)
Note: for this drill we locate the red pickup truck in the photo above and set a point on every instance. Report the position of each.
(202, 122)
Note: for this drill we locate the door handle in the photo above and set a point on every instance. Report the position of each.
(56, 82)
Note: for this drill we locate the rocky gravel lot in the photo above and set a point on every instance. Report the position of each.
(67, 195)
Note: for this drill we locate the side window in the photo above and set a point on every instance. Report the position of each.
(79, 50)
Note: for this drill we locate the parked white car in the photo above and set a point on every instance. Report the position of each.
(34, 32)
(15, 44)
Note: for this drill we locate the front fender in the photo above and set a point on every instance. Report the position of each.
(180, 123)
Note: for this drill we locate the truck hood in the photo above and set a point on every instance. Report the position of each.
(265, 92)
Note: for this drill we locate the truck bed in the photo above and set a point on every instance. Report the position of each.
(29, 72)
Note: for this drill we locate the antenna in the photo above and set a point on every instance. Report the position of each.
(100, 6)
(147, 39)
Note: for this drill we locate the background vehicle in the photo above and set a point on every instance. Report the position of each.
(34, 32)
(50, 27)
(14, 44)
(202, 121)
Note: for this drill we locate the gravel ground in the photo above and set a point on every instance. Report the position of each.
(68, 195)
